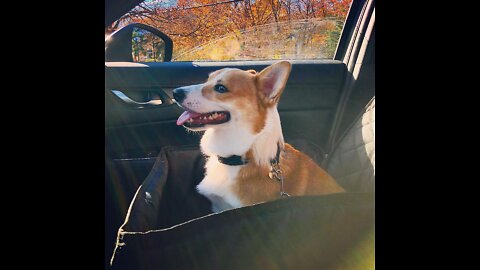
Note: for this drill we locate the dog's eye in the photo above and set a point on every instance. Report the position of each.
(220, 88)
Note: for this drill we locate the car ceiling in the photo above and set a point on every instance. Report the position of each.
(114, 9)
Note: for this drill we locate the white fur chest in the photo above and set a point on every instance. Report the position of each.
(217, 185)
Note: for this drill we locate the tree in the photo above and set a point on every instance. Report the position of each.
(191, 23)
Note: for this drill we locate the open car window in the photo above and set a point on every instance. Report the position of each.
(216, 30)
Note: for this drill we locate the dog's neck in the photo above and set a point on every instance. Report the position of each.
(237, 139)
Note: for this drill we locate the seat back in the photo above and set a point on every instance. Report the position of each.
(352, 162)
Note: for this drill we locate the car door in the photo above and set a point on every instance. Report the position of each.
(140, 115)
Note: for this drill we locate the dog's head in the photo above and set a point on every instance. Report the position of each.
(232, 97)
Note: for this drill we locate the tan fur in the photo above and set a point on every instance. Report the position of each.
(242, 91)
(262, 80)
(302, 177)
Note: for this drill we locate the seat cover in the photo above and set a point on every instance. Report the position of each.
(333, 231)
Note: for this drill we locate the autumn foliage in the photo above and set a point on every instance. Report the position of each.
(245, 30)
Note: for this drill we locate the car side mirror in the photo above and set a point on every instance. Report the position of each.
(138, 42)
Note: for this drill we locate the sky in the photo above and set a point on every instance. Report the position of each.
(163, 3)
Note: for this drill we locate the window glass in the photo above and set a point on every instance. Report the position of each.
(226, 30)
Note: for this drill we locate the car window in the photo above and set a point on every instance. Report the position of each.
(216, 30)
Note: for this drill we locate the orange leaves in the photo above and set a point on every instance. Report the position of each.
(217, 32)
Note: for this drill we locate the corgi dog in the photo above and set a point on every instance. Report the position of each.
(248, 161)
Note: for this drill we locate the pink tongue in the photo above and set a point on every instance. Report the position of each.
(185, 116)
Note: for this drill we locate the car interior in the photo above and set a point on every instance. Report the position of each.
(152, 165)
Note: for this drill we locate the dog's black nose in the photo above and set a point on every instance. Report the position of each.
(179, 94)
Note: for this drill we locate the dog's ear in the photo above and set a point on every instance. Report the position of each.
(271, 81)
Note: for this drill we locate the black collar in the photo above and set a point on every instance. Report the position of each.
(235, 160)
(232, 160)
(276, 160)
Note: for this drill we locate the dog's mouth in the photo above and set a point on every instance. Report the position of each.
(195, 120)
